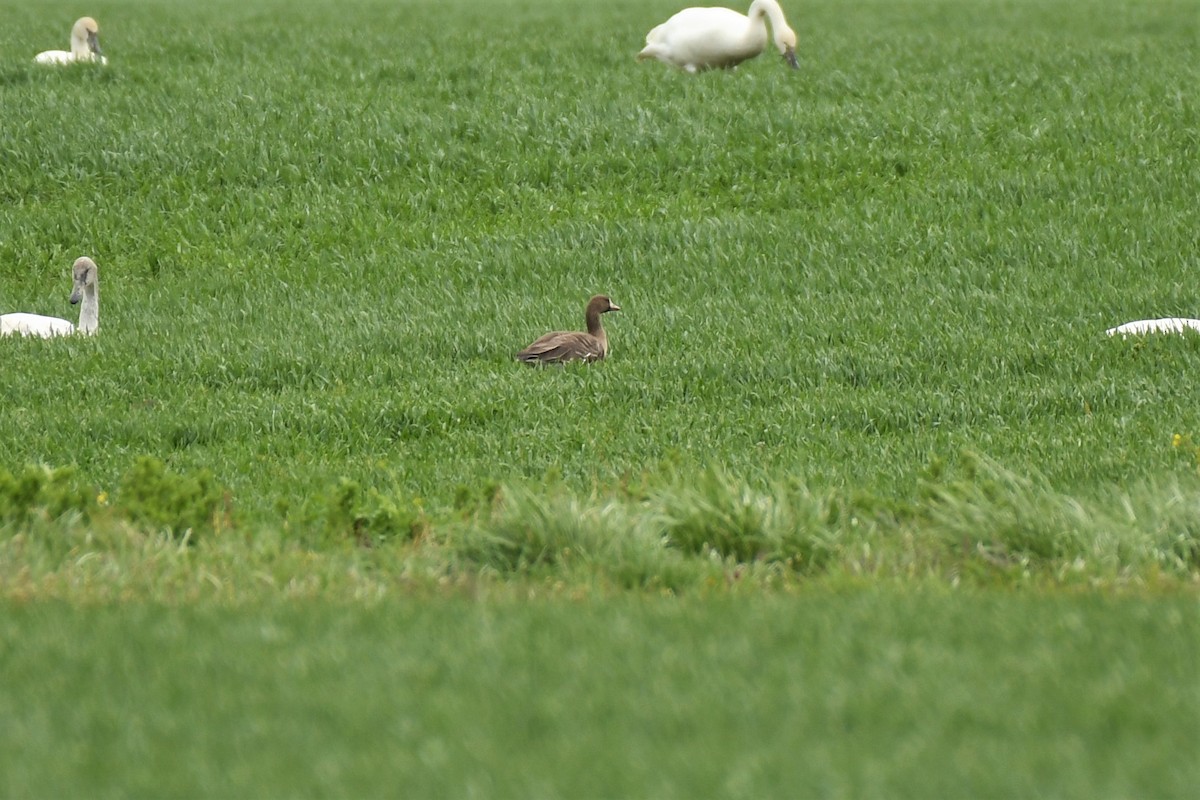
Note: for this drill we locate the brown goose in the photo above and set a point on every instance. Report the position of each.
(563, 346)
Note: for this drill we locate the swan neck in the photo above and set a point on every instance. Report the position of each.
(769, 9)
(89, 312)
(79, 49)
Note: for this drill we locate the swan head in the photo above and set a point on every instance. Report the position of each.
(785, 40)
(84, 273)
(87, 33)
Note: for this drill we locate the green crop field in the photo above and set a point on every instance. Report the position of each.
(856, 695)
(860, 379)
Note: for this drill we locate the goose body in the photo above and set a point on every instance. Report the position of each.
(706, 38)
(562, 346)
(85, 46)
(1164, 325)
(86, 290)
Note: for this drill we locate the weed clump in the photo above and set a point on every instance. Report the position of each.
(39, 490)
(150, 495)
(369, 517)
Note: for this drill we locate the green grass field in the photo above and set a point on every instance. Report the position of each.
(859, 382)
(857, 695)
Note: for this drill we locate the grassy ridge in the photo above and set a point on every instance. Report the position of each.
(830, 695)
(706, 535)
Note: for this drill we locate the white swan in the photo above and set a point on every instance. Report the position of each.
(85, 46)
(1164, 325)
(703, 38)
(87, 290)
(34, 325)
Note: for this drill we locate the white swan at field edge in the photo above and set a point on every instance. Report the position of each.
(86, 289)
(703, 38)
(1164, 325)
(85, 45)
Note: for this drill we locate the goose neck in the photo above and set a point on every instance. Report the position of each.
(593, 323)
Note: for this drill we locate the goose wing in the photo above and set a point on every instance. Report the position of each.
(556, 348)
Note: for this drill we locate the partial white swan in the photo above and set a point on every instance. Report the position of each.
(86, 289)
(34, 325)
(85, 46)
(1164, 325)
(703, 38)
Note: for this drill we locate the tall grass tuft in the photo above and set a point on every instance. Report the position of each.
(788, 523)
(1008, 515)
(1000, 515)
(527, 530)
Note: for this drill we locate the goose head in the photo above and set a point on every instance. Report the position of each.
(785, 40)
(84, 273)
(85, 38)
(601, 304)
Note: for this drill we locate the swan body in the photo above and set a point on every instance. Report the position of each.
(86, 290)
(1164, 325)
(705, 38)
(562, 346)
(34, 325)
(85, 46)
